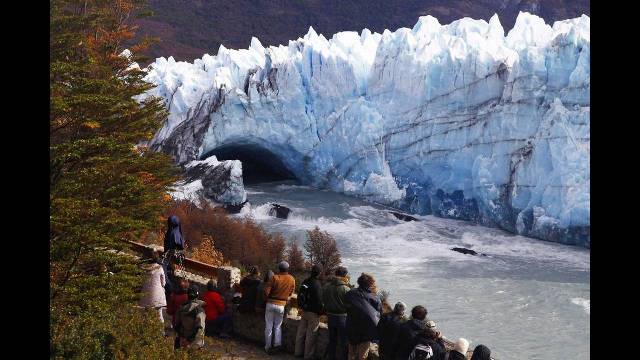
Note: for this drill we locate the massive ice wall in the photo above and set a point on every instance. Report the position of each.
(454, 120)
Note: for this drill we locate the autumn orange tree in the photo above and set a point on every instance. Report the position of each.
(105, 185)
(321, 249)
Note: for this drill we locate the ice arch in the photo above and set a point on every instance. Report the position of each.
(259, 163)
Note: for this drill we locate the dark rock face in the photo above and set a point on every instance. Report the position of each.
(234, 209)
(403, 217)
(279, 211)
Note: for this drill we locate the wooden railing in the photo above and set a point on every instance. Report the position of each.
(190, 265)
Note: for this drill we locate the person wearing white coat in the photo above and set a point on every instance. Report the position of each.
(153, 288)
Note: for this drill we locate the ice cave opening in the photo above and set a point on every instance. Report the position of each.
(258, 163)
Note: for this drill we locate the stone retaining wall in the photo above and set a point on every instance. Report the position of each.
(251, 326)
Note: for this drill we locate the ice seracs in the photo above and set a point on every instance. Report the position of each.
(213, 180)
(455, 120)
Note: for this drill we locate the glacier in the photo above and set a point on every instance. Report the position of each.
(459, 120)
(218, 182)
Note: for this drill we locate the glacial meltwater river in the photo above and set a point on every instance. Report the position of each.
(527, 299)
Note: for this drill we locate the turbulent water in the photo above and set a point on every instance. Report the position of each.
(527, 299)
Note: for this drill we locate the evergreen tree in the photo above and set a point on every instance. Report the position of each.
(105, 185)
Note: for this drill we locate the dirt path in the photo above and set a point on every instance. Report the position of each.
(236, 349)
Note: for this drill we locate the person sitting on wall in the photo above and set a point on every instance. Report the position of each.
(388, 328)
(310, 301)
(217, 320)
(249, 286)
(278, 290)
(363, 313)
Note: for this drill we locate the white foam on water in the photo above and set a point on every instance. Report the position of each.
(585, 303)
(377, 233)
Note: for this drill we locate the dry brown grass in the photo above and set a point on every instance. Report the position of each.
(240, 241)
(206, 252)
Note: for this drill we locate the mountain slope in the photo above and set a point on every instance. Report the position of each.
(191, 28)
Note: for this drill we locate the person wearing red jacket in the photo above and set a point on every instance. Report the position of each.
(217, 321)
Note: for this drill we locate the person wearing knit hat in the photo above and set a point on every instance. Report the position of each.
(283, 266)
(388, 326)
(278, 291)
(431, 324)
(460, 349)
(481, 352)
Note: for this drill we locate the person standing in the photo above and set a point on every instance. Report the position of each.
(153, 287)
(333, 296)
(405, 340)
(481, 352)
(249, 285)
(277, 290)
(174, 241)
(426, 346)
(178, 297)
(363, 313)
(459, 351)
(310, 301)
(388, 328)
(261, 298)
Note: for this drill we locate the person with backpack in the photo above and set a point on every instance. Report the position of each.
(217, 320)
(278, 290)
(459, 351)
(190, 321)
(405, 339)
(363, 313)
(249, 288)
(388, 328)
(310, 301)
(426, 346)
(333, 297)
(174, 241)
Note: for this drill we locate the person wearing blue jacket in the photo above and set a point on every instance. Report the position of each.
(363, 313)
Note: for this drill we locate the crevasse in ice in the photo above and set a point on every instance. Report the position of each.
(454, 120)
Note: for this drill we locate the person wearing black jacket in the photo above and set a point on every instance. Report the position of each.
(363, 313)
(428, 341)
(388, 328)
(405, 340)
(312, 308)
(249, 285)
